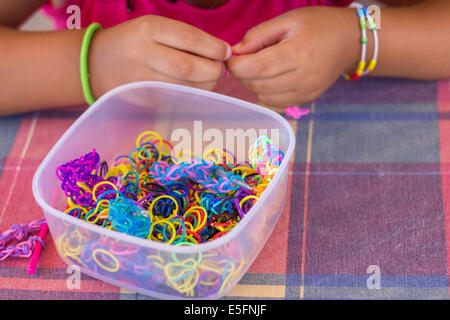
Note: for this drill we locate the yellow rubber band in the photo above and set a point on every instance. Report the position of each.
(101, 265)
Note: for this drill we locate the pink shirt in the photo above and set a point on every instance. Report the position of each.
(228, 22)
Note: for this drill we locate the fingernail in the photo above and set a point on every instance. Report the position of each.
(229, 53)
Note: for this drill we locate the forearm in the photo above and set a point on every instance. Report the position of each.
(39, 70)
(414, 41)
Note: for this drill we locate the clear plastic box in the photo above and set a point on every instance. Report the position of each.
(156, 269)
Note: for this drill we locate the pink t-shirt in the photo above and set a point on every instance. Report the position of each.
(228, 22)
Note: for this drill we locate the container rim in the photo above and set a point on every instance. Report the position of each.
(145, 242)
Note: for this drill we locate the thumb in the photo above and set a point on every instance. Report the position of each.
(262, 36)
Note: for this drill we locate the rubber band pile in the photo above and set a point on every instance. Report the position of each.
(151, 194)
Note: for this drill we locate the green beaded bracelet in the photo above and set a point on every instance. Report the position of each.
(84, 61)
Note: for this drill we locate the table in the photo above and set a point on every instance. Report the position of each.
(367, 215)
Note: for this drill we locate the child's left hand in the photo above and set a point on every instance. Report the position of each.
(292, 59)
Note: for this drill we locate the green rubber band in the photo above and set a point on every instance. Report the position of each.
(84, 61)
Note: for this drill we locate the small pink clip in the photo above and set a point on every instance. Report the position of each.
(296, 112)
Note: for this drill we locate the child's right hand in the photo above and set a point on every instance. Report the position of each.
(158, 49)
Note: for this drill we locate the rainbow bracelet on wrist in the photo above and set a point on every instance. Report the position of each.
(362, 62)
(365, 20)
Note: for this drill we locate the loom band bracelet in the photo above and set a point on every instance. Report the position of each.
(84, 74)
(361, 12)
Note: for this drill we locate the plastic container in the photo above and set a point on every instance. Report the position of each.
(160, 270)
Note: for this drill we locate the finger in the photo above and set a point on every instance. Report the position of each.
(184, 66)
(283, 100)
(262, 36)
(286, 82)
(270, 62)
(183, 36)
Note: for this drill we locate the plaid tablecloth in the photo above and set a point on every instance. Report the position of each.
(369, 186)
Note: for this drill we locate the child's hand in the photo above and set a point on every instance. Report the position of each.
(295, 57)
(155, 48)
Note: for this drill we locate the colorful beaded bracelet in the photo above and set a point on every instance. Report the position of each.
(365, 20)
(362, 62)
(373, 27)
